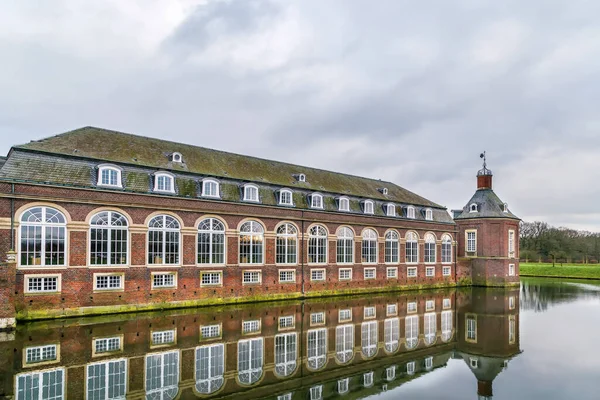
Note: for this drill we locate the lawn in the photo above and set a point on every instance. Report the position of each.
(564, 271)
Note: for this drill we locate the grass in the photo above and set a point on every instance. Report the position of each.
(558, 271)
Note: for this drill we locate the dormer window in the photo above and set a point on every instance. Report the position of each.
(176, 157)
(384, 191)
(164, 182)
(300, 177)
(410, 212)
(505, 207)
(109, 175)
(473, 208)
(390, 210)
(429, 215)
(251, 193)
(368, 207)
(210, 188)
(344, 204)
(285, 197)
(316, 201)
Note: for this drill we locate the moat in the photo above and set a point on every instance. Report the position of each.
(536, 342)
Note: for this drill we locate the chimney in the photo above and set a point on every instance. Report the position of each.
(484, 181)
(484, 389)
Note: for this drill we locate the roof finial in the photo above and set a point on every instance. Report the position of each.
(482, 155)
(484, 170)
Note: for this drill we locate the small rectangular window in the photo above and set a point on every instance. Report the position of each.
(317, 318)
(368, 207)
(511, 303)
(370, 273)
(316, 392)
(511, 244)
(41, 354)
(410, 368)
(316, 201)
(42, 284)
(108, 282)
(429, 305)
(287, 275)
(392, 272)
(391, 310)
(163, 337)
(368, 379)
(429, 363)
(471, 331)
(369, 312)
(446, 303)
(471, 241)
(390, 373)
(250, 193)
(210, 331)
(317, 274)
(410, 212)
(411, 307)
(446, 271)
(251, 326)
(411, 272)
(167, 280)
(345, 274)
(252, 277)
(343, 385)
(285, 198)
(345, 315)
(107, 345)
(430, 272)
(286, 322)
(511, 269)
(211, 278)
(391, 210)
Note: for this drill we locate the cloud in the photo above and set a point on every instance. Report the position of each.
(402, 91)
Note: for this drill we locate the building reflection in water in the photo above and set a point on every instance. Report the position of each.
(314, 349)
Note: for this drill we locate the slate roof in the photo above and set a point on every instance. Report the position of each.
(72, 158)
(489, 205)
(2, 161)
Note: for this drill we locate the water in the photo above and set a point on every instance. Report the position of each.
(538, 342)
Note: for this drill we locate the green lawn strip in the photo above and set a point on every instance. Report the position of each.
(565, 271)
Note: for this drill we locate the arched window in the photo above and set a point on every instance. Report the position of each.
(345, 246)
(369, 338)
(163, 240)
(412, 331)
(162, 375)
(316, 201)
(211, 241)
(344, 204)
(109, 175)
(410, 212)
(210, 188)
(43, 232)
(412, 248)
(287, 244)
(286, 351)
(108, 239)
(446, 325)
(391, 334)
(164, 182)
(368, 207)
(430, 248)
(285, 197)
(390, 210)
(250, 360)
(429, 214)
(392, 246)
(317, 348)
(369, 246)
(344, 343)
(473, 208)
(176, 157)
(251, 243)
(210, 368)
(317, 245)
(446, 248)
(251, 193)
(430, 327)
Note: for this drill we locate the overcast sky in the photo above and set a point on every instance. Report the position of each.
(404, 91)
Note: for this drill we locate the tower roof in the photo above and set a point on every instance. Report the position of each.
(485, 204)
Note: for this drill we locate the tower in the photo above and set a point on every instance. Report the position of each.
(488, 238)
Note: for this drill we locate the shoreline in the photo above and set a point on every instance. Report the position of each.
(560, 277)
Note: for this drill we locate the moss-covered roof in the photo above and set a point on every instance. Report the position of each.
(488, 204)
(117, 147)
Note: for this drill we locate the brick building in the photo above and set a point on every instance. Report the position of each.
(96, 221)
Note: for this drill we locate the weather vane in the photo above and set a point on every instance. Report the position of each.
(482, 155)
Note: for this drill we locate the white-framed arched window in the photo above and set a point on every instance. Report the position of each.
(390, 210)
(163, 240)
(345, 246)
(286, 353)
(430, 248)
(369, 246)
(446, 248)
(251, 243)
(42, 232)
(344, 204)
(286, 197)
(109, 239)
(368, 207)
(410, 212)
(211, 241)
(316, 201)
(429, 214)
(392, 247)
(411, 328)
(210, 368)
(164, 182)
(344, 343)
(162, 375)
(369, 338)
(210, 188)
(317, 245)
(430, 328)
(473, 208)
(412, 248)
(317, 348)
(251, 193)
(176, 157)
(391, 334)
(109, 175)
(286, 248)
(250, 360)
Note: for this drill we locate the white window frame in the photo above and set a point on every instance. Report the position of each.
(120, 288)
(314, 275)
(367, 273)
(317, 318)
(368, 379)
(390, 373)
(209, 377)
(410, 212)
(40, 380)
(429, 363)
(446, 242)
(391, 334)
(164, 273)
(211, 230)
(162, 389)
(430, 271)
(39, 355)
(317, 235)
(247, 190)
(106, 167)
(210, 273)
(411, 237)
(511, 243)
(250, 274)
(392, 247)
(471, 328)
(286, 239)
(446, 303)
(301, 178)
(348, 270)
(210, 331)
(511, 302)
(285, 353)
(390, 210)
(342, 315)
(343, 385)
(170, 178)
(316, 201)
(369, 312)
(256, 235)
(369, 246)
(430, 256)
(176, 157)
(43, 226)
(446, 270)
(473, 208)
(391, 310)
(344, 204)
(251, 327)
(368, 207)
(44, 277)
(208, 182)
(158, 239)
(428, 214)
(286, 322)
(110, 229)
(411, 307)
(411, 367)
(511, 269)
(286, 272)
(281, 197)
(108, 343)
(163, 338)
(316, 392)
(471, 244)
(255, 361)
(392, 272)
(411, 272)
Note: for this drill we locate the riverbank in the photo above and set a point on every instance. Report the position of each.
(558, 271)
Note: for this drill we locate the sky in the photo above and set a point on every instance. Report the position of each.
(405, 91)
